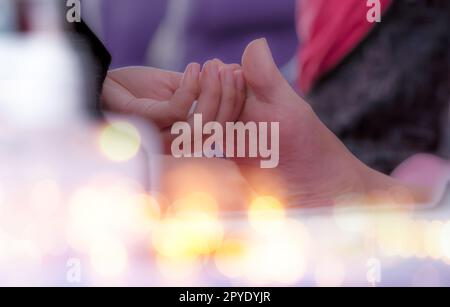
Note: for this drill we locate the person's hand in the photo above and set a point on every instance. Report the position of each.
(165, 97)
(160, 96)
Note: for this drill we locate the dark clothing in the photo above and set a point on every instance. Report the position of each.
(96, 64)
(389, 99)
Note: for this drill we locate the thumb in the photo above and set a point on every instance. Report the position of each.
(263, 77)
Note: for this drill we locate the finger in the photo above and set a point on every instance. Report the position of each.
(241, 90)
(241, 94)
(117, 99)
(165, 113)
(114, 96)
(210, 87)
(187, 93)
(228, 98)
(147, 82)
(221, 64)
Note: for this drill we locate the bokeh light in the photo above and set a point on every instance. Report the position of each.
(277, 259)
(178, 270)
(432, 238)
(187, 236)
(230, 258)
(109, 257)
(266, 214)
(45, 197)
(193, 204)
(105, 207)
(147, 212)
(329, 272)
(113, 221)
(445, 240)
(120, 141)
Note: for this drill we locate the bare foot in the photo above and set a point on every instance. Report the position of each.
(315, 167)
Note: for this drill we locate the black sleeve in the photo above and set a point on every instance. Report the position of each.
(95, 65)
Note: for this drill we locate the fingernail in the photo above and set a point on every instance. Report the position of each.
(214, 69)
(195, 70)
(219, 63)
(206, 66)
(187, 72)
(266, 45)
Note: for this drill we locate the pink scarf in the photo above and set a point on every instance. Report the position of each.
(329, 30)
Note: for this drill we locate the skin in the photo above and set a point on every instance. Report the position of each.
(315, 167)
(165, 97)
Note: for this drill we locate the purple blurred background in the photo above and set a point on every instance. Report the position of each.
(170, 34)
